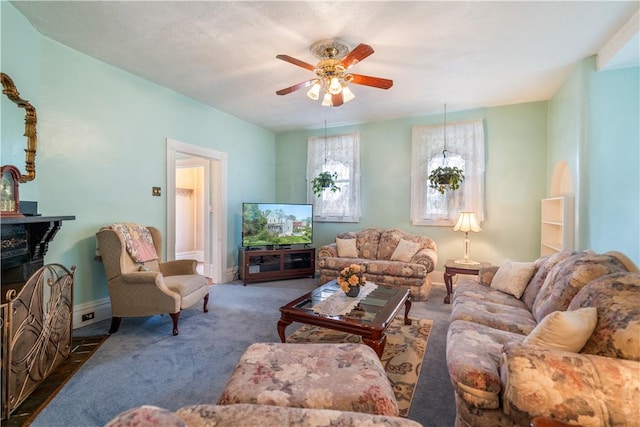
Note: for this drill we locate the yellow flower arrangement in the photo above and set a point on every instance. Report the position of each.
(351, 276)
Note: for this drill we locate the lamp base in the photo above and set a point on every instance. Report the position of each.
(466, 261)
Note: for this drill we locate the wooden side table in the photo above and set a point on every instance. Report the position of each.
(451, 268)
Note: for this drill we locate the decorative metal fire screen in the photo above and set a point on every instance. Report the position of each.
(36, 332)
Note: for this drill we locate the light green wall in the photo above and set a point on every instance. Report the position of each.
(102, 147)
(19, 56)
(593, 125)
(513, 189)
(613, 196)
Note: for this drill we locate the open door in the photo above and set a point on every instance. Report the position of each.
(205, 202)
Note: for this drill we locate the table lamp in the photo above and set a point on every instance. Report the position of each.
(467, 222)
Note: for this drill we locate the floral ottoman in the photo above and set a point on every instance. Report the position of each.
(346, 377)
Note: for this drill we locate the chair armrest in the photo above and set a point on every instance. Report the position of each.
(570, 387)
(140, 277)
(178, 267)
(328, 251)
(427, 257)
(486, 275)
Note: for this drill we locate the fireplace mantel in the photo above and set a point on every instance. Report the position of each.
(25, 241)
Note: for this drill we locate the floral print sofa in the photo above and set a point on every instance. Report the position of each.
(387, 256)
(500, 379)
(247, 414)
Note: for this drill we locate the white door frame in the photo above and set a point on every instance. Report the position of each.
(215, 205)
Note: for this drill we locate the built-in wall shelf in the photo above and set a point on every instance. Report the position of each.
(557, 225)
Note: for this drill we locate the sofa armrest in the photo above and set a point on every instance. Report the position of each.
(328, 251)
(427, 257)
(486, 274)
(578, 388)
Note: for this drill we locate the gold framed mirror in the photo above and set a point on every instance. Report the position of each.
(11, 175)
(30, 121)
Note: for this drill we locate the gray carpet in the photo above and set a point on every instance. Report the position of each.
(144, 364)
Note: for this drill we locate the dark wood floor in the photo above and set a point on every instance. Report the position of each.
(82, 349)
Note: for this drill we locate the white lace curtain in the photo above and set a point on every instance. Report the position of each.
(340, 154)
(465, 149)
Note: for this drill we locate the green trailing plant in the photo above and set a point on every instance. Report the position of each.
(324, 181)
(445, 178)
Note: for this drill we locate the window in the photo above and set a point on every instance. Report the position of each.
(340, 154)
(464, 149)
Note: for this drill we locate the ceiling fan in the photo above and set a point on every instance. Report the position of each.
(331, 72)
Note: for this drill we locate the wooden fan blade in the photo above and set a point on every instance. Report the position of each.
(293, 88)
(295, 61)
(356, 55)
(337, 100)
(378, 82)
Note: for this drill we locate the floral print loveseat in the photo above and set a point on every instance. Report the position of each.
(387, 257)
(500, 379)
(251, 415)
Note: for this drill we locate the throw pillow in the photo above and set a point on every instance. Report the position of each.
(405, 251)
(512, 277)
(347, 248)
(565, 330)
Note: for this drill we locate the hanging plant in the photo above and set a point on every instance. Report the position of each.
(445, 178)
(324, 181)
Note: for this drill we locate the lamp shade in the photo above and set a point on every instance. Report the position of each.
(467, 222)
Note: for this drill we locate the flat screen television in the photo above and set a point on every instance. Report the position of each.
(276, 224)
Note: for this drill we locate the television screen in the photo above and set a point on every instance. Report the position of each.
(277, 224)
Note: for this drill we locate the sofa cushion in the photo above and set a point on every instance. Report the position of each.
(367, 242)
(473, 361)
(396, 269)
(347, 248)
(512, 277)
(617, 297)
(568, 277)
(564, 330)
(496, 316)
(469, 288)
(543, 267)
(405, 251)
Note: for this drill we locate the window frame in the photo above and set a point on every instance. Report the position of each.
(465, 139)
(322, 150)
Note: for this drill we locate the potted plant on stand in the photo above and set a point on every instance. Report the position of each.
(445, 178)
(324, 181)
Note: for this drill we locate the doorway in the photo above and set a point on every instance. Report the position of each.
(197, 207)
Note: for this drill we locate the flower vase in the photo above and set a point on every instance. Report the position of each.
(353, 291)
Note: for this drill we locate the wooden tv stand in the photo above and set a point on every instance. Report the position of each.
(259, 265)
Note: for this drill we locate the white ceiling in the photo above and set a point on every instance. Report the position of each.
(465, 54)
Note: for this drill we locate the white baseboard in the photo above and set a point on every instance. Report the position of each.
(101, 310)
(437, 276)
(231, 274)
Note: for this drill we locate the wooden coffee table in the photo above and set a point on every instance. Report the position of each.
(369, 319)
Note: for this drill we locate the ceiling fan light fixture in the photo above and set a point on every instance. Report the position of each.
(331, 72)
(335, 87)
(314, 92)
(347, 95)
(326, 101)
